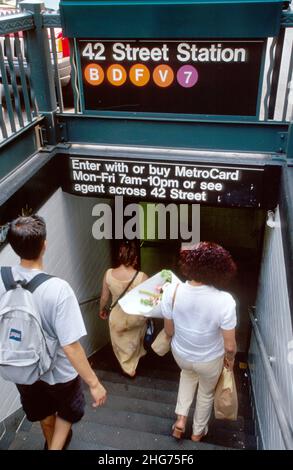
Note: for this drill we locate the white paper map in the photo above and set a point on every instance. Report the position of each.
(131, 302)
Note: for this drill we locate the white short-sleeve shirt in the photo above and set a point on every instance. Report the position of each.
(199, 313)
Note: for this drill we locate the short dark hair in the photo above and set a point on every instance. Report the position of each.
(128, 253)
(26, 236)
(209, 264)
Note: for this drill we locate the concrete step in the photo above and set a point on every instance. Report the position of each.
(107, 354)
(128, 430)
(93, 435)
(147, 380)
(7, 440)
(28, 441)
(129, 420)
(132, 391)
(148, 388)
(8, 428)
(129, 439)
(151, 364)
(138, 405)
(133, 420)
(231, 438)
(125, 413)
(139, 413)
(155, 373)
(164, 410)
(144, 381)
(34, 440)
(241, 424)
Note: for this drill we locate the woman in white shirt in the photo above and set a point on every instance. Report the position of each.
(201, 318)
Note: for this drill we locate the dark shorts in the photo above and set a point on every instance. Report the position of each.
(40, 400)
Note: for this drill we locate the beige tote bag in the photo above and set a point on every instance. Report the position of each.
(226, 401)
(162, 343)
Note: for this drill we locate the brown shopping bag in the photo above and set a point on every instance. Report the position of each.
(161, 345)
(226, 401)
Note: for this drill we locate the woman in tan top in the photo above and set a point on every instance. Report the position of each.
(127, 331)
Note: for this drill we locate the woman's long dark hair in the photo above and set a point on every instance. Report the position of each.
(128, 253)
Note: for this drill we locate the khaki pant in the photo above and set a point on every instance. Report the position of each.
(205, 375)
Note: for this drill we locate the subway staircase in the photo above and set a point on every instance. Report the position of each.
(139, 412)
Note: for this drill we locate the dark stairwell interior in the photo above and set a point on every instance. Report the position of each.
(139, 412)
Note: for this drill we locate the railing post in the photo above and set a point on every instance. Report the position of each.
(41, 70)
(276, 73)
(290, 144)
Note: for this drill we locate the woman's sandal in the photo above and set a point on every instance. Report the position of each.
(131, 377)
(198, 437)
(177, 432)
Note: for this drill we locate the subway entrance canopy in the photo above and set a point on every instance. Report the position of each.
(171, 18)
(167, 82)
(180, 74)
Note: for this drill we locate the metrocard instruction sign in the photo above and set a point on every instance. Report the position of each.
(215, 185)
(215, 77)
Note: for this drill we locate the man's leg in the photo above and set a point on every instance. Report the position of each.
(70, 404)
(48, 426)
(38, 406)
(60, 434)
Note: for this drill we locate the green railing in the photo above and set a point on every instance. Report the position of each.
(33, 72)
(18, 106)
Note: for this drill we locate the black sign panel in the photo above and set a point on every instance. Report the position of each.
(213, 185)
(216, 77)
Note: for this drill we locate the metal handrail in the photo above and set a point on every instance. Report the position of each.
(285, 428)
(23, 21)
(51, 19)
(90, 300)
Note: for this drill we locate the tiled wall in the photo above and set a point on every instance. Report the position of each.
(76, 256)
(274, 321)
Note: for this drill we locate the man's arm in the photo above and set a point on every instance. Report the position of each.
(230, 347)
(76, 355)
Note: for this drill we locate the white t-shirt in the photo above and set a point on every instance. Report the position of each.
(61, 318)
(199, 314)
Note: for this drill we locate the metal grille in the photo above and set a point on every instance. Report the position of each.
(277, 90)
(274, 322)
(17, 104)
(60, 59)
(17, 107)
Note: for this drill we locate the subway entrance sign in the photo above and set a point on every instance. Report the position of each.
(207, 184)
(219, 77)
(193, 57)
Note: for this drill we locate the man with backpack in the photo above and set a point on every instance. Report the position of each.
(40, 328)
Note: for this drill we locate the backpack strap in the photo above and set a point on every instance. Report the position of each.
(7, 278)
(32, 285)
(174, 296)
